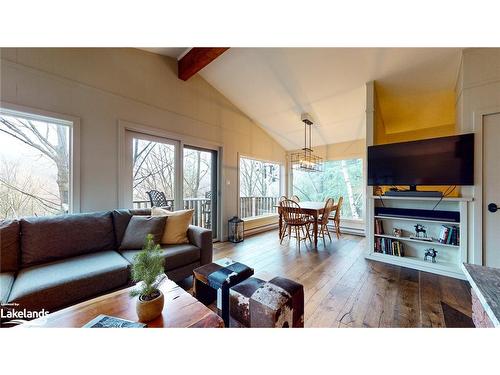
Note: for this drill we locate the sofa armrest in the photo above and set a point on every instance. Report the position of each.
(201, 238)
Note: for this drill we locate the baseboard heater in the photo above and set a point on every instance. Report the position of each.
(451, 216)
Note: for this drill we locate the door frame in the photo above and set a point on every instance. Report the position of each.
(478, 193)
(125, 125)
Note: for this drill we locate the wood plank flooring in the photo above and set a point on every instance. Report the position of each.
(343, 289)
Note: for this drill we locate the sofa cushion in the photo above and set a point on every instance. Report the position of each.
(175, 255)
(9, 245)
(121, 219)
(45, 239)
(177, 225)
(6, 281)
(139, 227)
(61, 283)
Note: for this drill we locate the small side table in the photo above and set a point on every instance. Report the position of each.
(213, 281)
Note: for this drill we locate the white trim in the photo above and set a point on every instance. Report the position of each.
(477, 216)
(74, 144)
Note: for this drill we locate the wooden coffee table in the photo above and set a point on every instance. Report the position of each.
(181, 310)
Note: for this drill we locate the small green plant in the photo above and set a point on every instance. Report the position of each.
(147, 268)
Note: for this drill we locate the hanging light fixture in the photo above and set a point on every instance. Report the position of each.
(306, 160)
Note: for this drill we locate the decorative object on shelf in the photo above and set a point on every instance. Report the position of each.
(235, 229)
(306, 160)
(432, 253)
(148, 273)
(420, 232)
(397, 232)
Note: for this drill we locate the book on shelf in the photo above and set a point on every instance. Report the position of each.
(389, 246)
(379, 228)
(450, 235)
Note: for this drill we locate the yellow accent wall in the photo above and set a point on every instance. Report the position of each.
(412, 117)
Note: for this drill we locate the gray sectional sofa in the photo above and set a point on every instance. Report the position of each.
(53, 262)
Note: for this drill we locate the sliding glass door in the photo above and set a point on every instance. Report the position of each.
(164, 172)
(200, 185)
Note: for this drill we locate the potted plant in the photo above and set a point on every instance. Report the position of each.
(148, 273)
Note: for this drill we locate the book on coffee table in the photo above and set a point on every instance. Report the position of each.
(106, 321)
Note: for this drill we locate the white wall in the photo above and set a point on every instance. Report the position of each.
(103, 86)
(477, 92)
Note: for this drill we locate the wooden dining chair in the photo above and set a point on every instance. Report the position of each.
(281, 199)
(295, 198)
(295, 221)
(336, 217)
(323, 220)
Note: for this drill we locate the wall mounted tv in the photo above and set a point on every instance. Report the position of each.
(437, 161)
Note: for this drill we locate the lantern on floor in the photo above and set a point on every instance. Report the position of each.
(235, 229)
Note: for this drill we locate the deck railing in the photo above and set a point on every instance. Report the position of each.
(202, 209)
(249, 207)
(257, 206)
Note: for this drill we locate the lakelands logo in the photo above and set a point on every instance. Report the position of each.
(14, 316)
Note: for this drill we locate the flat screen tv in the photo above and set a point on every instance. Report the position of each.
(437, 161)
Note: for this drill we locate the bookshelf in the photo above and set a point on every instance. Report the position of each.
(450, 256)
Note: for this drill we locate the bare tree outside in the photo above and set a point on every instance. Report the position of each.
(259, 187)
(340, 178)
(34, 173)
(153, 169)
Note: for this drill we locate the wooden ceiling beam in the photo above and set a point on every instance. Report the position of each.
(196, 59)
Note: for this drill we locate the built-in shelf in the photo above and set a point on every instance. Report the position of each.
(449, 258)
(443, 268)
(415, 240)
(444, 199)
(416, 219)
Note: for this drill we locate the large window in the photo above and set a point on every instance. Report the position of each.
(260, 187)
(35, 165)
(340, 178)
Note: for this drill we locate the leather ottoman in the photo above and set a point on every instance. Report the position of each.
(256, 303)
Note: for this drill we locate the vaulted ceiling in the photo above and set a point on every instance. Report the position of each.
(273, 86)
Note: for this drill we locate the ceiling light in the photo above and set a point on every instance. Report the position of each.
(306, 160)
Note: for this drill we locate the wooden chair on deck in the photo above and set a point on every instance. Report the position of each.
(336, 217)
(295, 220)
(295, 198)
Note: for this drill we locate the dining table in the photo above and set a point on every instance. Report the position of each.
(311, 208)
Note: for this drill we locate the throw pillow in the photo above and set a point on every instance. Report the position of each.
(177, 225)
(139, 227)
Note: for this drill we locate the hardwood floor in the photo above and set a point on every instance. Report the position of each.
(343, 289)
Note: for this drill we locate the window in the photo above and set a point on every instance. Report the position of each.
(35, 165)
(340, 178)
(260, 187)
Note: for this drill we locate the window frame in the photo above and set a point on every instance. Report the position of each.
(73, 123)
(282, 184)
